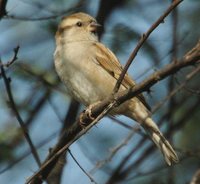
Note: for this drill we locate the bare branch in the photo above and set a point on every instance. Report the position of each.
(16, 50)
(115, 120)
(23, 18)
(56, 173)
(7, 64)
(142, 40)
(177, 89)
(190, 90)
(87, 174)
(14, 108)
(162, 167)
(28, 152)
(114, 150)
(191, 58)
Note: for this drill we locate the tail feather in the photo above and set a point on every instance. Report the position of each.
(138, 112)
(164, 146)
(160, 141)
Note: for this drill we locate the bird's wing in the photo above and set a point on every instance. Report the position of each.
(111, 64)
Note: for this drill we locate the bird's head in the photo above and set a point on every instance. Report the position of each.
(78, 27)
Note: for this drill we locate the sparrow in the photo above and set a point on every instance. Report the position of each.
(90, 70)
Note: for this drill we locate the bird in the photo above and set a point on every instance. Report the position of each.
(90, 71)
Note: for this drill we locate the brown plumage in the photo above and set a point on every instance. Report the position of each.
(90, 70)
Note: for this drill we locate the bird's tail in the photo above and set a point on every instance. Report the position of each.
(160, 141)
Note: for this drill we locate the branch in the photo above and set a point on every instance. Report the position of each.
(191, 58)
(27, 153)
(142, 41)
(113, 151)
(7, 64)
(56, 173)
(190, 90)
(101, 109)
(64, 12)
(16, 50)
(15, 110)
(84, 171)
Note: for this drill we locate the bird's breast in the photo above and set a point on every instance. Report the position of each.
(85, 79)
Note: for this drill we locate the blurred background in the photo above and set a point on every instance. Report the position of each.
(110, 151)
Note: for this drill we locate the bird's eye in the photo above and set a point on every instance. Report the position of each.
(79, 24)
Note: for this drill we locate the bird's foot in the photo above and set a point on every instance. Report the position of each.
(87, 114)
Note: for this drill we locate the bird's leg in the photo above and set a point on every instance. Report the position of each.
(87, 113)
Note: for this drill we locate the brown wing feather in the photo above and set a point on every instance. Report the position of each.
(111, 64)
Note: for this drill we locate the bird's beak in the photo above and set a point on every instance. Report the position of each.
(93, 27)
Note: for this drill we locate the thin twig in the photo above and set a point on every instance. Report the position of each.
(120, 122)
(23, 18)
(28, 152)
(189, 89)
(114, 151)
(16, 50)
(187, 155)
(177, 89)
(87, 174)
(14, 108)
(72, 112)
(162, 167)
(191, 58)
(142, 40)
(7, 64)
